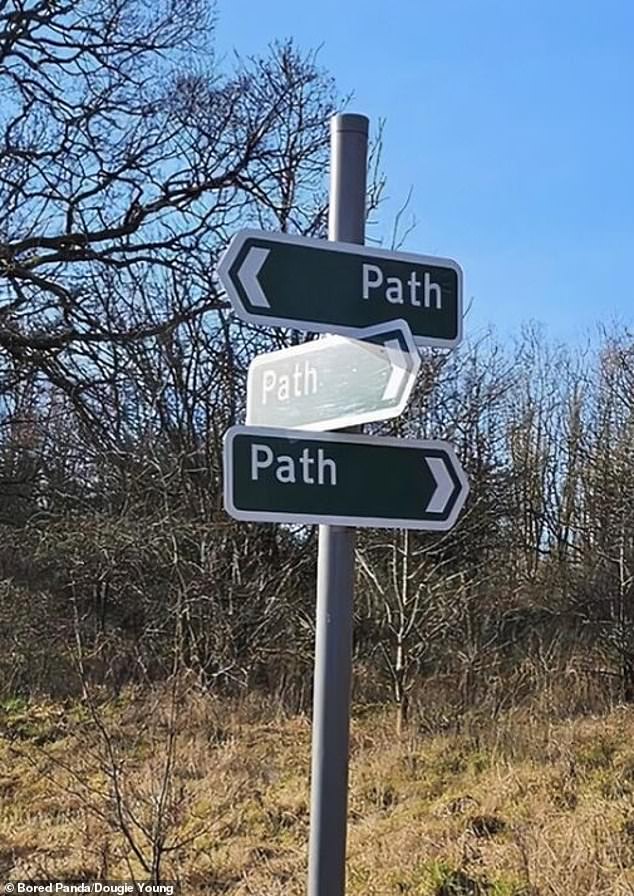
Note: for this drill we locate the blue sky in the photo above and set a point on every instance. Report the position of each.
(512, 122)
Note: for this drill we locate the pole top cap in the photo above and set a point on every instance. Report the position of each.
(350, 121)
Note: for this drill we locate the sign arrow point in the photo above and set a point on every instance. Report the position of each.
(248, 276)
(399, 367)
(444, 485)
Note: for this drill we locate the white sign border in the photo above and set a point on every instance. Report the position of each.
(239, 238)
(264, 516)
(342, 422)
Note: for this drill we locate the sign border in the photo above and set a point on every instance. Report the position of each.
(373, 416)
(238, 239)
(264, 516)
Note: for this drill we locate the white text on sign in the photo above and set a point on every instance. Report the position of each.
(395, 291)
(284, 386)
(311, 470)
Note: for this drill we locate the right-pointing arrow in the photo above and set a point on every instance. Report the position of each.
(399, 363)
(367, 480)
(444, 485)
(248, 276)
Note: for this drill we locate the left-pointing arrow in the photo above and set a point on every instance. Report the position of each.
(322, 286)
(248, 276)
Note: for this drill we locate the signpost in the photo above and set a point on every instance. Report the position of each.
(335, 576)
(281, 280)
(387, 303)
(334, 382)
(285, 476)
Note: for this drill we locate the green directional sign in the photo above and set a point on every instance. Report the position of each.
(334, 382)
(288, 476)
(322, 286)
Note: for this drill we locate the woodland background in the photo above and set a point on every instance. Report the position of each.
(128, 159)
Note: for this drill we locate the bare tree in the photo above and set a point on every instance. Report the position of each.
(130, 158)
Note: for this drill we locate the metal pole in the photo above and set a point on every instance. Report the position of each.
(335, 576)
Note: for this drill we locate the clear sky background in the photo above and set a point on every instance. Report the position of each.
(512, 121)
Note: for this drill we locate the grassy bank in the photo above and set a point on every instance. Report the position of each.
(215, 794)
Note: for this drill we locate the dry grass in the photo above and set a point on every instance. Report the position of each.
(520, 808)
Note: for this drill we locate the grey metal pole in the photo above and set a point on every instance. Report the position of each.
(335, 576)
